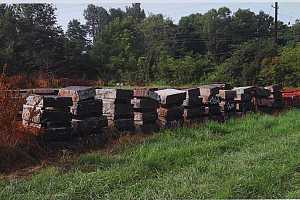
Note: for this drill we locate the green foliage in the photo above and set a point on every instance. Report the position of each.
(236, 160)
(128, 46)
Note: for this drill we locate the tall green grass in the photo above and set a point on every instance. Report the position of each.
(254, 157)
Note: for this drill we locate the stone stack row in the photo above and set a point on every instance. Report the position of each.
(117, 108)
(145, 104)
(86, 111)
(170, 111)
(48, 116)
(193, 106)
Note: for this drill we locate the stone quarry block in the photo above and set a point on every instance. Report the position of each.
(276, 95)
(114, 94)
(78, 93)
(109, 107)
(274, 88)
(45, 91)
(244, 106)
(146, 93)
(145, 117)
(88, 126)
(171, 97)
(227, 94)
(46, 124)
(209, 90)
(192, 113)
(222, 86)
(211, 100)
(37, 115)
(262, 92)
(87, 108)
(228, 106)
(144, 104)
(122, 124)
(214, 110)
(49, 101)
(170, 114)
(243, 90)
(194, 102)
(264, 102)
(243, 97)
(192, 93)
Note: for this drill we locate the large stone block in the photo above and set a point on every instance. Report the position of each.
(243, 90)
(228, 106)
(49, 101)
(192, 93)
(211, 100)
(209, 90)
(78, 93)
(171, 97)
(145, 117)
(114, 94)
(227, 94)
(142, 104)
(88, 126)
(122, 124)
(274, 88)
(193, 102)
(37, 115)
(109, 107)
(192, 113)
(146, 93)
(262, 92)
(87, 108)
(170, 114)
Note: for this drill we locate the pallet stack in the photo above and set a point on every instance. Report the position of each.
(228, 104)
(170, 111)
(117, 108)
(211, 101)
(193, 106)
(244, 96)
(145, 104)
(48, 116)
(86, 111)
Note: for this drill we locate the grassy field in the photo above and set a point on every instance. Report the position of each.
(254, 157)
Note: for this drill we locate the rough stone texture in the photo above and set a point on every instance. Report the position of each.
(193, 102)
(87, 108)
(144, 103)
(145, 117)
(122, 124)
(88, 126)
(243, 90)
(214, 109)
(109, 107)
(211, 100)
(243, 97)
(244, 106)
(262, 92)
(190, 113)
(37, 115)
(146, 93)
(227, 94)
(228, 106)
(49, 101)
(170, 114)
(171, 124)
(78, 93)
(274, 88)
(222, 86)
(209, 90)
(192, 93)
(171, 96)
(114, 94)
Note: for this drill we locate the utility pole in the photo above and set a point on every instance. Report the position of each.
(276, 23)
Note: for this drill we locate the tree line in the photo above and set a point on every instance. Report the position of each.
(128, 46)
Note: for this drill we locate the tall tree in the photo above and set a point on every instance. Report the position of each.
(96, 18)
(136, 12)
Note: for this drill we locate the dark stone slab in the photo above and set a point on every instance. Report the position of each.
(262, 92)
(211, 100)
(209, 90)
(88, 126)
(146, 93)
(274, 88)
(171, 96)
(147, 128)
(144, 104)
(49, 101)
(37, 115)
(245, 90)
(228, 106)
(87, 108)
(109, 107)
(146, 117)
(170, 114)
(193, 112)
(122, 124)
(193, 102)
(227, 94)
